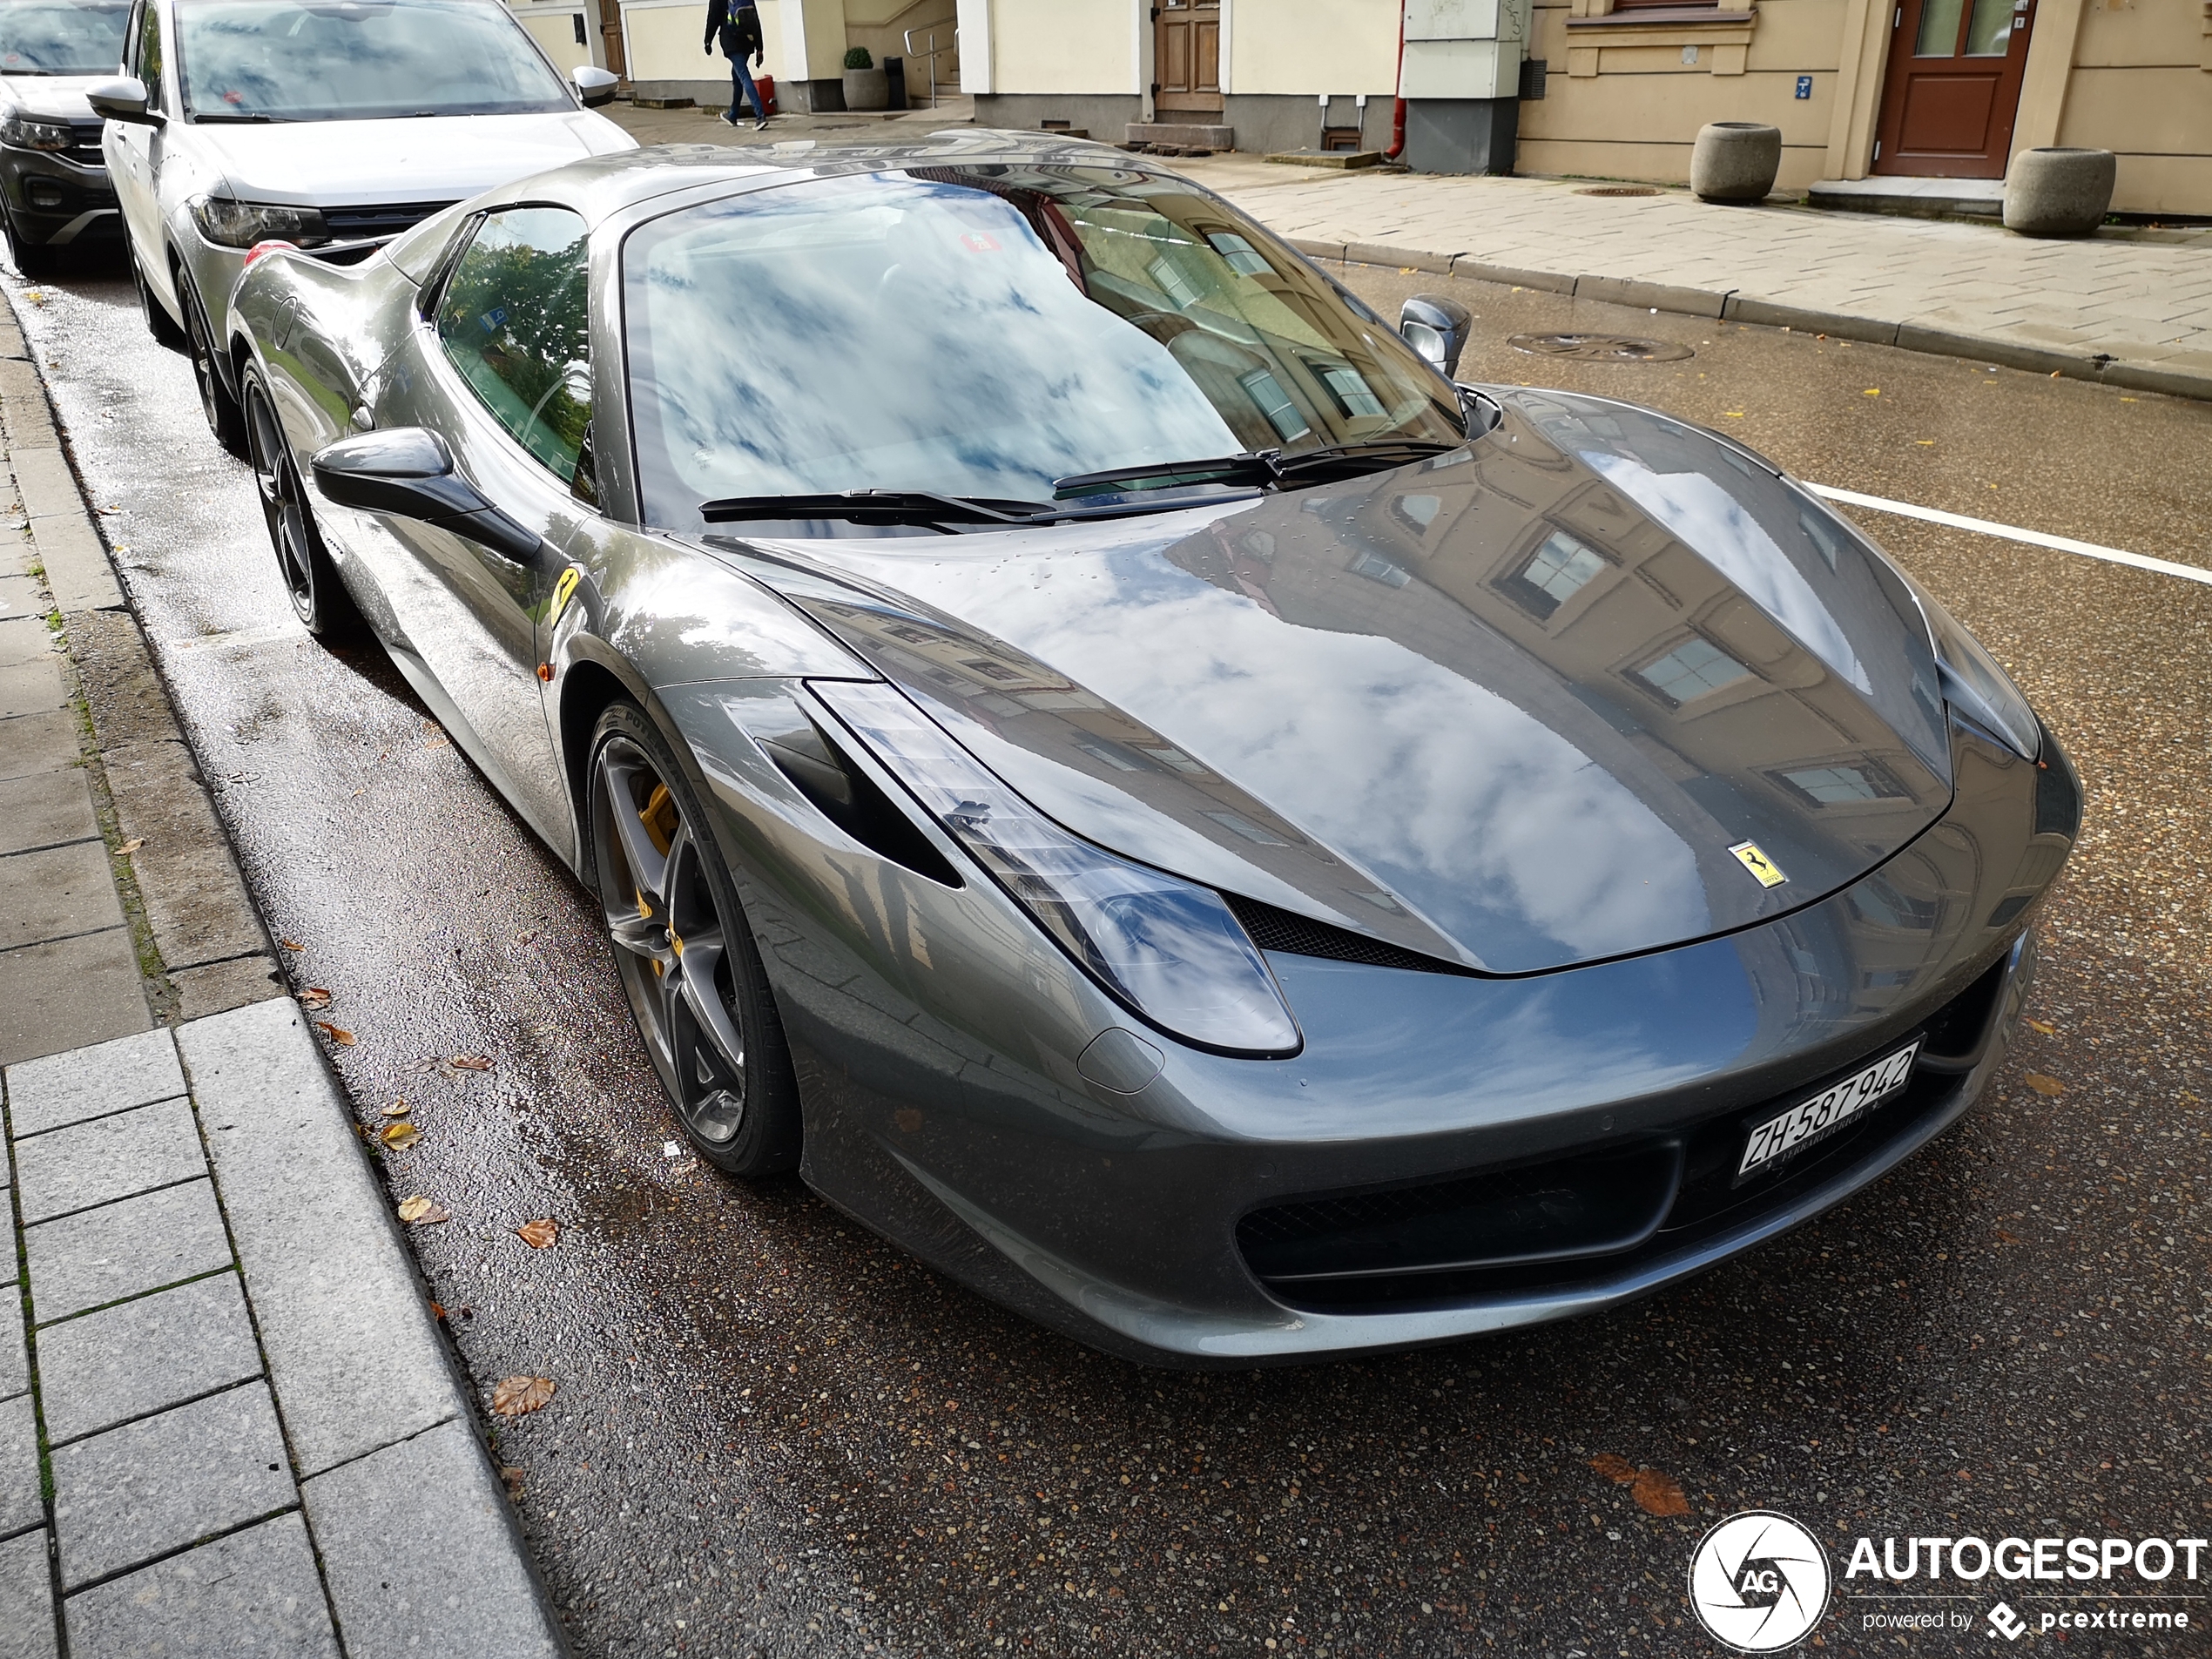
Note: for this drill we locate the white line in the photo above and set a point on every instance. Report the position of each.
(2013, 533)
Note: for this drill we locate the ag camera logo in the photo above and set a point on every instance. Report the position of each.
(1759, 1581)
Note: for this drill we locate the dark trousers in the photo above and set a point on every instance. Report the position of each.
(743, 91)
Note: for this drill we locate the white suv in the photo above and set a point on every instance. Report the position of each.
(329, 124)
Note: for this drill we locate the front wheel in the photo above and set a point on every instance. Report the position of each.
(159, 323)
(319, 596)
(686, 957)
(217, 401)
(32, 258)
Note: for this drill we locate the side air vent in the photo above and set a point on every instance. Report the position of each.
(1297, 935)
(818, 769)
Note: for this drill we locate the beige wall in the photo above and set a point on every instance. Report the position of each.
(2140, 89)
(1345, 47)
(1062, 45)
(662, 42)
(554, 32)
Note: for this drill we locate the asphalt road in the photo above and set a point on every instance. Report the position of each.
(775, 1434)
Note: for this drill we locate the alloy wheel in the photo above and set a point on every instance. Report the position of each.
(283, 507)
(671, 940)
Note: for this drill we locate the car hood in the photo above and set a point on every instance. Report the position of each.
(443, 159)
(59, 98)
(1515, 707)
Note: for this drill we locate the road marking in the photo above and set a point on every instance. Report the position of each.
(2014, 533)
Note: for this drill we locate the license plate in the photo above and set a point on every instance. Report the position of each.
(1811, 1120)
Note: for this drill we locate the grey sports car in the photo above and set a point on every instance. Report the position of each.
(1096, 752)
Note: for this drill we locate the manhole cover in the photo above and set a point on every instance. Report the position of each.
(1619, 190)
(1601, 348)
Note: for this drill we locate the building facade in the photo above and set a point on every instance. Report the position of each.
(1618, 89)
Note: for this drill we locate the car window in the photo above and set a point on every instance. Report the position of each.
(513, 320)
(279, 60)
(62, 37)
(149, 54)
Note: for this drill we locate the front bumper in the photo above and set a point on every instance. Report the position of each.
(56, 201)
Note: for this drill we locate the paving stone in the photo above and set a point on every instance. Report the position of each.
(35, 743)
(51, 894)
(145, 1356)
(64, 995)
(344, 1321)
(26, 1599)
(32, 688)
(256, 1591)
(45, 808)
(422, 1556)
(67, 1170)
(24, 639)
(15, 1361)
(143, 1243)
(22, 1502)
(93, 1082)
(195, 902)
(158, 1484)
(219, 987)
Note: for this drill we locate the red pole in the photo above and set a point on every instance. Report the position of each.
(1398, 115)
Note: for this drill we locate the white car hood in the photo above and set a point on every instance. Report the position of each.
(59, 98)
(440, 158)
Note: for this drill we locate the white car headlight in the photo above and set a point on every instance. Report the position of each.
(1169, 948)
(1976, 686)
(235, 224)
(25, 132)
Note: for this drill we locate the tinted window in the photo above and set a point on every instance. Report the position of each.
(149, 65)
(513, 320)
(61, 38)
(359, 60)
(985, 331)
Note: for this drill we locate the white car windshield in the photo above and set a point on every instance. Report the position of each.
(988, 331)
(359, 60)
(61, 37)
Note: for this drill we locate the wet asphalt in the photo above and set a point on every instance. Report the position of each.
(775, 1434)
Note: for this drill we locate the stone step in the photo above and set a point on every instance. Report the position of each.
(1182, 135)
(1911, 197)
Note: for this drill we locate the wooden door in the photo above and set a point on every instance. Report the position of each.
(1954, 87)
(610, 35)
(1186, 58)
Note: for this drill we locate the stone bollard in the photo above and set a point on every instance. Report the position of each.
(2058, 192)
(1735, 161)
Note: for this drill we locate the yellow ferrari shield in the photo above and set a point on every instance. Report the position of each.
(1768, 872)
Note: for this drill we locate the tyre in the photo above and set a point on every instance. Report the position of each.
(686, 957)
(159, 323)
(319, 595)
(224, 418)
(32, 258)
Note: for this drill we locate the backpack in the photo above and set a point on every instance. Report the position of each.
(741, 34)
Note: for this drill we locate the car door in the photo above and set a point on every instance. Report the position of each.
(131, 148)
(500, 367)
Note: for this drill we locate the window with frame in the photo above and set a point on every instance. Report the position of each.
(514, 319)
(1690, 670)
(145, 58)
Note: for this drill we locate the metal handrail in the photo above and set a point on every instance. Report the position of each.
(931, 57)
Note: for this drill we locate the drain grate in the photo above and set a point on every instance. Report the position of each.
(1601, 348)
(1619, 190)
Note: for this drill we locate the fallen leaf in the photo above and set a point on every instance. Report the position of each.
(343, 1039)
(398, 1108)
(1658, 1494)
(1613, 1468)
(1733, 415)
(419, 1211)
(539, 1235)
(470, 1062)
(288, 945)
(2004, 1238)
(512, 1477)
(2043, 1085)
(438, 1311)
(399, 1137)
(519, 1396)
(2048, 1030)
(1872, 391)
(315, 999)
(133, 845)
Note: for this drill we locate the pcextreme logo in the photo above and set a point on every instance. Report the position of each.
(1759, 1581)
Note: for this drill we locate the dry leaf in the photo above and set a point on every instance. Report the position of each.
(315, 999)
(419, 1211)
(289, 945)
(470, 1062)
(539, 1235)
(519, 1396)
(343, 1039)
(438, 1311)
(398, 1108)
(2004, 1238)
(2047, 1030)
(2043, 1085)
(1658, 1494)
(399, 1137)
(133, 845)
(1613, 1468)
(1873, 391)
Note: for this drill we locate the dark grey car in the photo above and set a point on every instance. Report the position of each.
(1096, 752)
(54, 189)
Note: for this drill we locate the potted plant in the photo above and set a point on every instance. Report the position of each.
(867, 87)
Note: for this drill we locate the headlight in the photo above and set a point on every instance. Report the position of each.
(1168, 947)
(1976, 686)
(230, 223)
(24, 133)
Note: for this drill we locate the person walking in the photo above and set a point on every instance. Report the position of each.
(737, 27)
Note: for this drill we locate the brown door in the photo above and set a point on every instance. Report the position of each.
(610, 33)
(1954, 87)
(1186, 58)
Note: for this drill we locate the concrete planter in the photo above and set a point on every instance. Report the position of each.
(2058, 193)
(868, 89)
(1735, 161)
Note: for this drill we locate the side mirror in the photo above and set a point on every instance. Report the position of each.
(123, 98)
(407, 473)
(1438, 329)
(594, 86)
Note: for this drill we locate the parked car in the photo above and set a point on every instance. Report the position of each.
(54, 191)
(1094, 751)
(329, 124)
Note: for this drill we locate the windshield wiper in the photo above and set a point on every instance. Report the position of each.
(233, 117)
(1253, 468)
(877, 507)
(1361, 457)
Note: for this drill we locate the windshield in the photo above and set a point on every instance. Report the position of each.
(59, 37)
(359, 60)
(986, 331)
